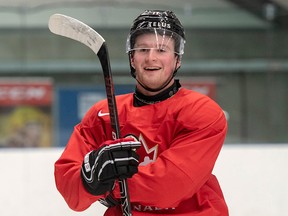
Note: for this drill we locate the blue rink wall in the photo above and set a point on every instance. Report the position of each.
(73, 102)
(253, 179)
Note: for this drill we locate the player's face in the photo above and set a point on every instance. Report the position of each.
(154, 60)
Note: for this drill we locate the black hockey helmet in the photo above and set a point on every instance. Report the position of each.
(162, 22)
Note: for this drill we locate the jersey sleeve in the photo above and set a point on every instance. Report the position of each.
(86, 136)
(182, 169)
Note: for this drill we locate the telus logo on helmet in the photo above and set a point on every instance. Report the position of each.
(159, 25)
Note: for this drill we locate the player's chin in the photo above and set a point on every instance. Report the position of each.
(154, 85)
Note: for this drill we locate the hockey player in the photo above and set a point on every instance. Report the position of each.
(178, 134)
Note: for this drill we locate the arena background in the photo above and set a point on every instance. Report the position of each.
(236, 53)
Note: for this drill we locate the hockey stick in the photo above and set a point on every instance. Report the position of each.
(74, 29)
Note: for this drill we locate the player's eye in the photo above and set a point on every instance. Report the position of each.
(144, 50)
(141, 50)
(161, 50)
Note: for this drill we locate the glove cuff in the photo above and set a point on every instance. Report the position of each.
(90, 183)
(97, 188)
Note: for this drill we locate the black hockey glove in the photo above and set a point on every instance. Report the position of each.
(115, 159)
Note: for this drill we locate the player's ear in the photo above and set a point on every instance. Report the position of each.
(178, 62)
(132, 60)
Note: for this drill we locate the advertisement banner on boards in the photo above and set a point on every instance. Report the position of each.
(26, 112)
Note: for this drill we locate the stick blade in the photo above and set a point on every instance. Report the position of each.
(72, 28)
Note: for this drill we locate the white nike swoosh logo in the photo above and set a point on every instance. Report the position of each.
(100, 114)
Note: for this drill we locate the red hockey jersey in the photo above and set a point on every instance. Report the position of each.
(181, 138)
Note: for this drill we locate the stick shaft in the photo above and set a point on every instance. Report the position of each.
(104, 60)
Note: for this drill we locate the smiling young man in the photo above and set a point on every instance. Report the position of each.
(154, 62)
(177, 134)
